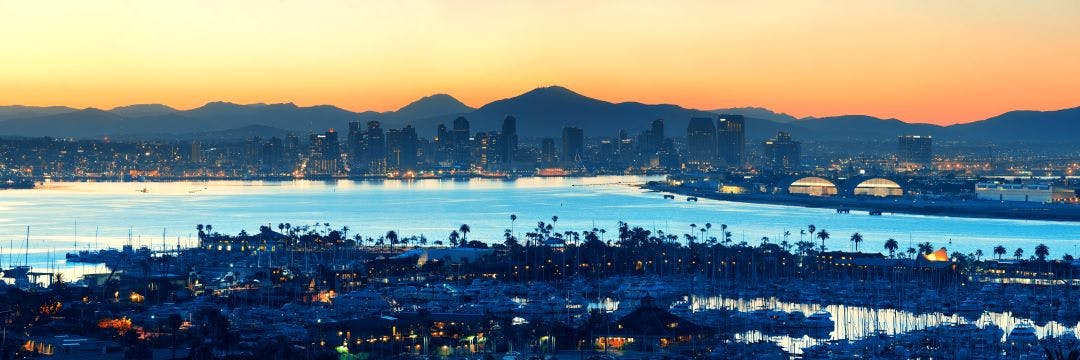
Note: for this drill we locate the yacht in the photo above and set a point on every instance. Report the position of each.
(1022, 336)
(819, 319)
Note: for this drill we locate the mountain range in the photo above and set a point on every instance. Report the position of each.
(541, 112)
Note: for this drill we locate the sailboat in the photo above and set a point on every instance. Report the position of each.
(20, 273)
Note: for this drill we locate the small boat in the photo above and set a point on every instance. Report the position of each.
(819, 319)
(875, 212)
(1022, 336)
(669, 196)
(691, 198)
(143, 190)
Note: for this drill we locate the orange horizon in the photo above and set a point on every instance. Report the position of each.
(920, 62)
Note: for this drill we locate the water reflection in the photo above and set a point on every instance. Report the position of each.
(853, 322)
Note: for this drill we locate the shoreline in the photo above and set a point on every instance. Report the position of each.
(984, 209)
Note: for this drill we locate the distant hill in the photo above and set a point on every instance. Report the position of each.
(140, 110)
(1035, 126)
(757, 113)
(856, 127)
(430, 106)
(541, 112)
(19, 111)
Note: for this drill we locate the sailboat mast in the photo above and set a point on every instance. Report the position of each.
(26, 249)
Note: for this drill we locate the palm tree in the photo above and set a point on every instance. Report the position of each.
(926, 248)
(811, 228)
(392, 237)
(823, 235)
(464, 232)
(454, 236)
(1041, 252)
(856, 238)
(891, 245)
(1019, 253)
(513, 218)
(978, 254)
(999, 251)
(911, 252)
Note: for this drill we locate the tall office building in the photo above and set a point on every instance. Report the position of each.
(443, 147)
(701, 142)
(401, 149)
(374, 147)
(547, 152)
(573, 145)
(273, 155)
(508, 142)
(462, 143)
(782, 154)
(354, 143)
(325, 154)
(915, 152)
(731, 140)
(196, 152)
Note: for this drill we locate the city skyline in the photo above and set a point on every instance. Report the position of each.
(943, 65)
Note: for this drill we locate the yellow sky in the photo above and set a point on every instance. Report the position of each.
(922, 61)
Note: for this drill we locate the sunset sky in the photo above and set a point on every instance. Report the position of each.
(920, 61)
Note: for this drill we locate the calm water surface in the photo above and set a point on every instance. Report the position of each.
(62, 215)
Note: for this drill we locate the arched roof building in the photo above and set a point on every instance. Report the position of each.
(878, 187)
(813, 186)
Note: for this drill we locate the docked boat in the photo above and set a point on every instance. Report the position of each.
(819, 319)
(1022, 336)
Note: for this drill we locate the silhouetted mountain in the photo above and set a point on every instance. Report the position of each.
(20, 111)
(757, 113)
(431, 106)
(222, 116)
(1025, 125)
(140, 110)
(541, 112)
(80, 123)
(857, 127)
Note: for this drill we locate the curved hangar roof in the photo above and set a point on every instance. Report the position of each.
(878, 183)
(813, 181)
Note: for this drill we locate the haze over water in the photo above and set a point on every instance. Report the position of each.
(435, 207)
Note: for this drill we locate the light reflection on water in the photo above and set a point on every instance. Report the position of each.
(850, 322)
(854, 322)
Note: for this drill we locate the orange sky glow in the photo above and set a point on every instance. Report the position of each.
(921, 61)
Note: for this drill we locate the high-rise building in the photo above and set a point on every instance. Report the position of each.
(656, 132)
(731, 140)
(488, 149)
(196, 152)
(915, 152)
(443, 146)
(325, 154)
(355, 145)
(273, 155)
(374, 147)
(508, 142)
(401, 147)
(701, 142)
(573, 145)
(782, 154)
(547, 152)
(462, 143)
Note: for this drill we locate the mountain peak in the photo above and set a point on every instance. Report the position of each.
(553, 90)
(140, 110)
(433, 105)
